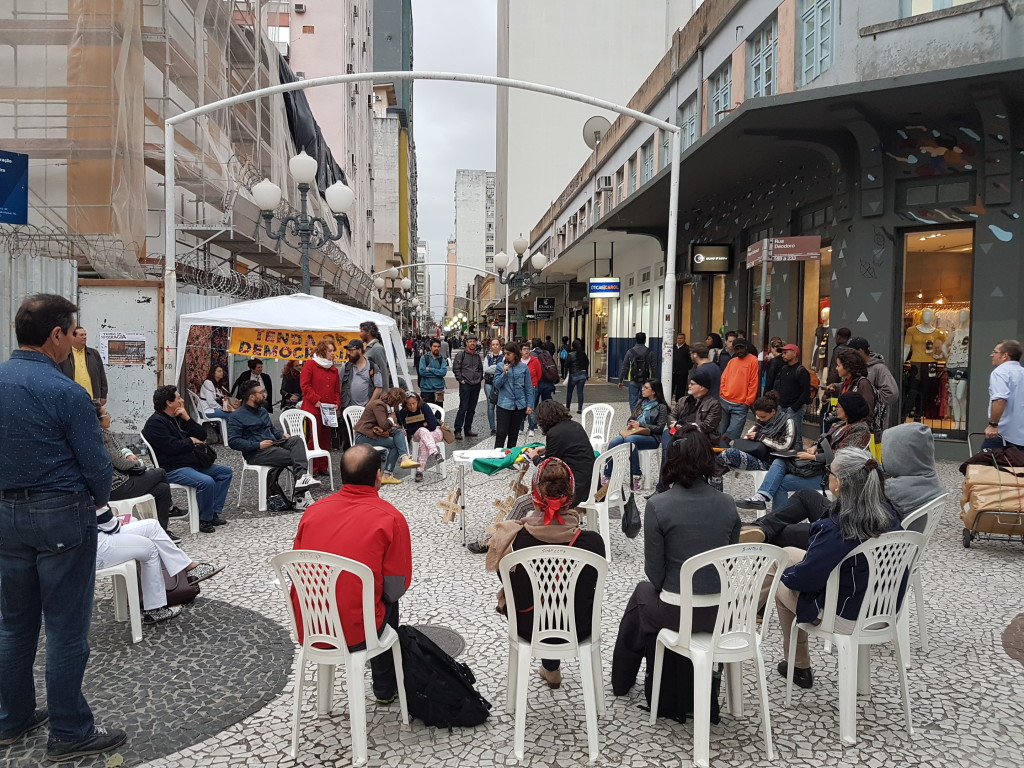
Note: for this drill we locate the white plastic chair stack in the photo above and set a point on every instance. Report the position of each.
(127, 605)
(598, 511)
(190, 492)
(742, 569)
(554, 572)
(890, 558)
(600, 416)
(442, 447)
(314, 577)
(924, 520)
(293, 422)
(202, 418)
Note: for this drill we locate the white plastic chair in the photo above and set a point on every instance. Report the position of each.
(314, 578)
(351, 417)
(190, 492)
(442, 446)
(202, 418)
(925, 520)
(600, 416)
(598, 511)
(127, 604)
(650, 466)
(262, 474)
(293, 421)
(554, 572)
(145, 504)
(890, 558)
(742, 569)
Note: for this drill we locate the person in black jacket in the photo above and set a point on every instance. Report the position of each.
(171, 434)
(791, 382)
(564, 439)
(681, 364)
(256, 373)
(577, 366)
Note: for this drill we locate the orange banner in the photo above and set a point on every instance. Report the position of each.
(284, 345)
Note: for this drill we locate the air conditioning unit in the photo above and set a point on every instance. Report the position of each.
(573, 219)
(560, 231)
(299, 7)
(300, 75)
(604, 183)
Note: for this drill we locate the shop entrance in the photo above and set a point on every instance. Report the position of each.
(937, 284)
(599, 339)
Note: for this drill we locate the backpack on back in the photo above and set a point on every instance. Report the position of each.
(640, 369)
(548, 369)
(815, 385)
(439, 689)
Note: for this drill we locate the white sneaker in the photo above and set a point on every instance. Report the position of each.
(529, 435)
(305, 482)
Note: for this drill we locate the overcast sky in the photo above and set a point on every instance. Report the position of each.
(453, 123)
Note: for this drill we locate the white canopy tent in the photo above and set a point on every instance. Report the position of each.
(297, 312)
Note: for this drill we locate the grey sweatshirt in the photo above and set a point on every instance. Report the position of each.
(908, 457)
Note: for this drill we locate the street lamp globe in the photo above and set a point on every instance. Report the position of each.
(378, 283)
(501, 260)
(520, 244)
(339, 197)
(405, 283)
(390, 274)
(539, 261)
(303, 168)
(267, 195)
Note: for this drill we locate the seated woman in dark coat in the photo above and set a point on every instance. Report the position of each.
(689, 518)
(553, 522)
(567, 440)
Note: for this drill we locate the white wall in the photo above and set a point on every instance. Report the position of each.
(385, 180)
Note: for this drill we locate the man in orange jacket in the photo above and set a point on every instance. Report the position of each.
(738, 390)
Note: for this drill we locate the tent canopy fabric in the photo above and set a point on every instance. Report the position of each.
(297, 312)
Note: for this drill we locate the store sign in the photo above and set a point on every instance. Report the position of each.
(710, 258)
(604, 288)
(802, 248)
(13, 188)
(544, 307)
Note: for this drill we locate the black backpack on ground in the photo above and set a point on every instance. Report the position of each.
(439, 689)
(548, 369)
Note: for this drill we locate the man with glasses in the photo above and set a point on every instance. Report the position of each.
(1006, 397)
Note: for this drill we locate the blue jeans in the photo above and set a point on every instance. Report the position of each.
(47, 568)
(576, 382)
(778, 484)
(490, 407)
(468, 395)
(639, 443)
(397, 445)
(734, 417)
(211, 484)
(991, 443)
(798, 418)
(545, 389)
(634, 394)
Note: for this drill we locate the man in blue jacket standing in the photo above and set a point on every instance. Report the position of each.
(432, 370)
(251, 434)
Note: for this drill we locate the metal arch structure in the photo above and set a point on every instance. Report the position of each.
(170, 226)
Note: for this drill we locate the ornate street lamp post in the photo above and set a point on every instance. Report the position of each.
(516, 279)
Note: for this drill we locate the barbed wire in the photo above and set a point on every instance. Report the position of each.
(109, 255)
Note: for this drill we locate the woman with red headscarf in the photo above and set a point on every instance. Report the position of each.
(553, 521)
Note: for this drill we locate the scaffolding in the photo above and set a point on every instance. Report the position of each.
(90, 84)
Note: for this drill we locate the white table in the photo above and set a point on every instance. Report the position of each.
(464, 460)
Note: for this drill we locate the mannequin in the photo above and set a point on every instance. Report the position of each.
(957, 350)
(821, 342)
(923, 346)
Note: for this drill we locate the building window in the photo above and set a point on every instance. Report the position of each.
(597, 207)
(915, 7)
(632, 175)
(647, 161)
(814, 32)
(308, 30)
(489, 249)
(687, 121)
(620, 177)
(666, 147)
(762, 51)
(720, 94)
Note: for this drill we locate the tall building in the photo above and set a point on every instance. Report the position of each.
(601, 48)
(450, 277)
(474, 226)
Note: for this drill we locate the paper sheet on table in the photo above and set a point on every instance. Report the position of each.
(329, 414)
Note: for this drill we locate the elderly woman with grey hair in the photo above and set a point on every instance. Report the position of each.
(860, 512)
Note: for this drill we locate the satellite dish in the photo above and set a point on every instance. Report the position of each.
(594, 130)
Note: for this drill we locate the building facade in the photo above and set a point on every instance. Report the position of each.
(474, 226)
(900, 156)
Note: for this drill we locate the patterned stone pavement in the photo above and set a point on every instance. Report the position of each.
(967, 692)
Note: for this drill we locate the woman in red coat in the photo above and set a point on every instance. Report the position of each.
(320, 383)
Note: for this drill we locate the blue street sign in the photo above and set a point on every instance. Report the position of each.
(604, 288)
(13, 188)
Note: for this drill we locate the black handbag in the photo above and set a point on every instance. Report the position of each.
(755, 448)
(204, 455)
(492, 398)
(631, 523)
(804, 467)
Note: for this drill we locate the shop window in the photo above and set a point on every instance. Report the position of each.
(938, 270)
(814, 37)
(762, 53)
(816, 342)
(720, 94)
(687, 121)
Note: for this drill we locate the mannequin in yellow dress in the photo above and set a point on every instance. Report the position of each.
(923, 347)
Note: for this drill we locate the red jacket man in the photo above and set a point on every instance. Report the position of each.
(356, 523)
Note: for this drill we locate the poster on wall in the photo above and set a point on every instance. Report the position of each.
(284, 345)
(13, 188)
(123, 348)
